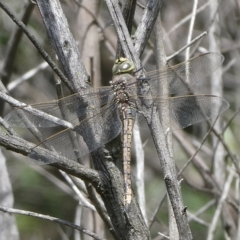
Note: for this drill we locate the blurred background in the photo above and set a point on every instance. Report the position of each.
(43, 190)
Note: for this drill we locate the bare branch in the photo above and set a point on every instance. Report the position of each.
(36, 44)
(49, 218)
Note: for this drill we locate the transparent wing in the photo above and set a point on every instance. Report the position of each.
(180, 77)
(75, 107)
(185, 111)
(90, 134)
(184, 75)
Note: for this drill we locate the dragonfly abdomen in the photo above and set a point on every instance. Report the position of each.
(128, 116)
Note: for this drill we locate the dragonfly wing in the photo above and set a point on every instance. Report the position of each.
(187, 110)
(183, 76)
(21, 118)
(75, 107)
(90, 134)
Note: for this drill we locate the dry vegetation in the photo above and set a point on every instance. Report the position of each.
(209, 183)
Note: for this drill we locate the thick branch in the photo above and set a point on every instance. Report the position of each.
(146, 25)
(23, 147)
(111, 177)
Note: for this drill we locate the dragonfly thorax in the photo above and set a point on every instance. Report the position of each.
(122, 92)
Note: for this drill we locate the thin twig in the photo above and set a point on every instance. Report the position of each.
(229, 152)
(202, 209)
(81, 198)
(26, 76)
(101, 209)
(37, 45)
(217, 213)
(7, 126)
(100, 23)
(185, 19)
(191, 26)
(165, 236)
(192, 157)
(140, 170)
(13, 44)
(33, 129)
(34, 111)
(51, 219)
(186, 46)
(151, 221)
(197, 220)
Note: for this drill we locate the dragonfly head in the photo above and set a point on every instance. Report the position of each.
(122, 65)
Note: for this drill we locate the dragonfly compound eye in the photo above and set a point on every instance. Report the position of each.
(122, 65)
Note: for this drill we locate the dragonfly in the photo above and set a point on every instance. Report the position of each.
(98, 117)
